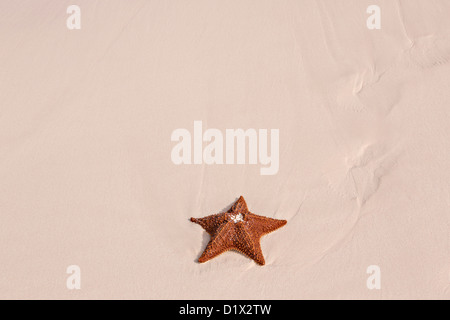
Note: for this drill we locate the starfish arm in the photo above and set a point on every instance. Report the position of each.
(260, 225)
(220, 242)
(210, 223)
(240, 206)
(248, 244)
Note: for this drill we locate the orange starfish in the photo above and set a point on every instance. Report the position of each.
(238, 229)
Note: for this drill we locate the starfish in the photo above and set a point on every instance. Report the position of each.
(238, 229)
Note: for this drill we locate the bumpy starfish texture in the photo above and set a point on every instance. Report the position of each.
(237, 229)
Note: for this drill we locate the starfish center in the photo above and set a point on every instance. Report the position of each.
(237, 217)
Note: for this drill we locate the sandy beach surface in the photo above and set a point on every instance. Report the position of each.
(87, 177)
